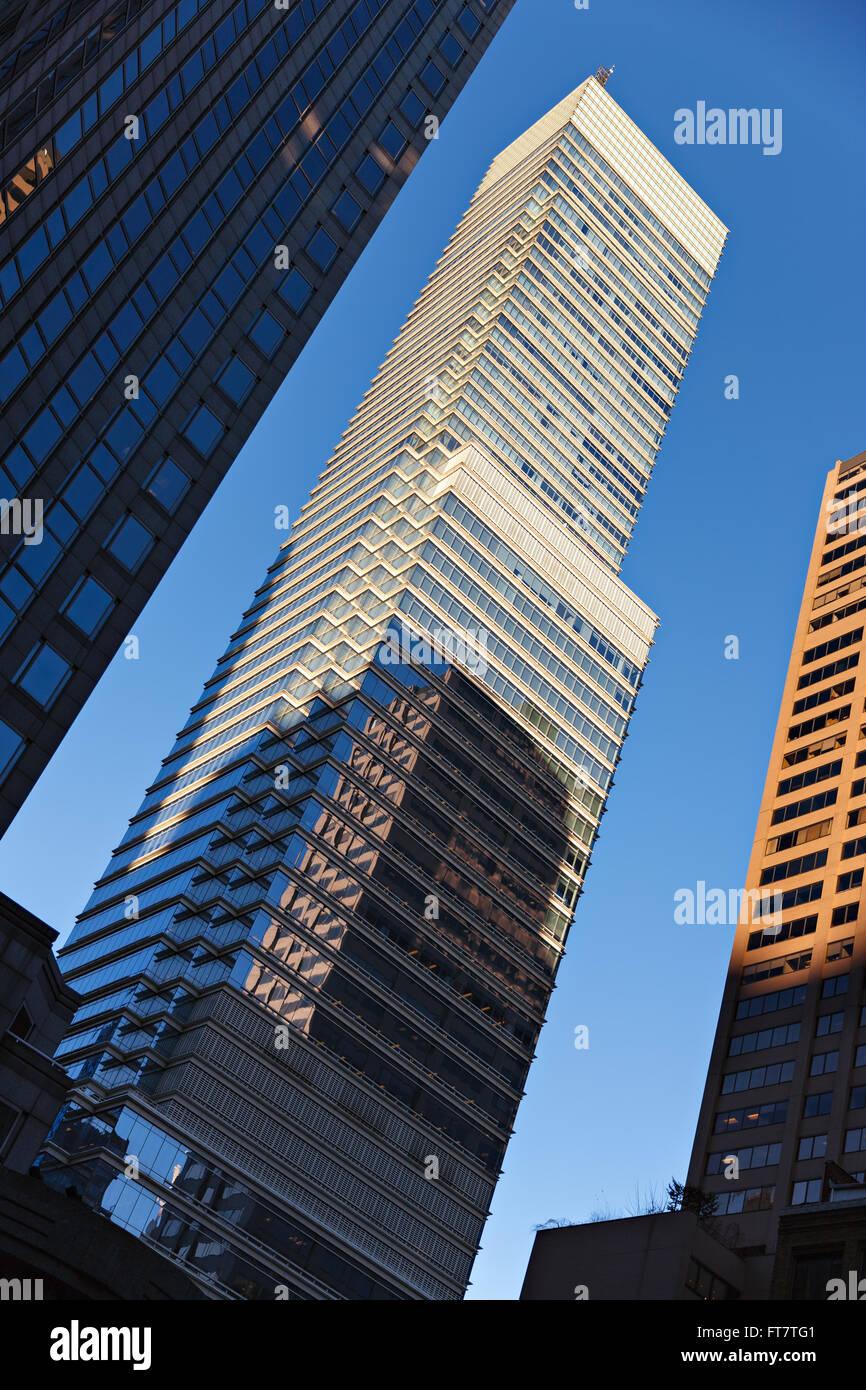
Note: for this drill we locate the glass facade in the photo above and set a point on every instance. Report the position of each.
(315, 969)
(154, 160)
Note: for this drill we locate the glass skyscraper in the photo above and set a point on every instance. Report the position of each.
(184, 184)
(315, 969)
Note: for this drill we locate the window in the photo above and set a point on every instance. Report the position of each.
(129, 543)
(433, 78)
(161, 380)
(13, 370)
(744, 1043)
(776, 965)
(829, 1023)
(858, 1098)
(803, 808)
(807, 779)
(392, 140)
(823, 1063)
(413, 109)
(769, 936)
(347, 211)
(41, 437)
(753, 1199)
(321, 248)
(83, 491)
(835, 644)
(370, 174)
(758, 1156)
(167, 484)
(823, 673)
(10, 746)
(266, 333)
(757, 1076)
(204, 431)
(841, 950)
(814, 750)
(855, 1140)
(295, 290)
(22, 1025)
(236, 380)
(98, 263)
(823, 697)
(860, 1056)
(803, 1192)
(801, 865)
(751, 1117)
(853, 879)
(802, 836)
(821, 1103)
(468, 22)
(88, 605)
(452, 50)
(814, 1146)
(43, 674)
(769, 1003)
(837, 984)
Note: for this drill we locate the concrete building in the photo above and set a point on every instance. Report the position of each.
(781, 1137)
(36, 1006)
(668, 1255)
(786, 1088)
(52, 1246)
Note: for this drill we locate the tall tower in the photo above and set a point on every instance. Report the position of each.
(184, 185)
(786, 1090)
(316, 967)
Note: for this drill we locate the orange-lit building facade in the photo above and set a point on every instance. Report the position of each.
(786, 1090)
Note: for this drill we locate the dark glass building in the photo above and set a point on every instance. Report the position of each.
(183, 188)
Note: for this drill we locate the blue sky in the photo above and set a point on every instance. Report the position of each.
(721, 548)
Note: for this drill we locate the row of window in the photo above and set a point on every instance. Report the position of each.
(821, 697)
(776, 965)
(792, 868)
(834, 668)
(804, 835)
(846, 611)
(757, 1156)
(817, 802)
(833, 644)
(754, 1077)
(820, 721)
(771, 936)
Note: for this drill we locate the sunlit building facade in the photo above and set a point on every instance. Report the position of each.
(184, 185)
(782, 1129)
(317, 965)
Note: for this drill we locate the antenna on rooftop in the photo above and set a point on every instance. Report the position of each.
(603, 74)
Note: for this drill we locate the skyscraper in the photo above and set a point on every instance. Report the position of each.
(316, 967)
(184, 184)
(786, 1090)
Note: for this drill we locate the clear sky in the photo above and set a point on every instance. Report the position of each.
(721, 548)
